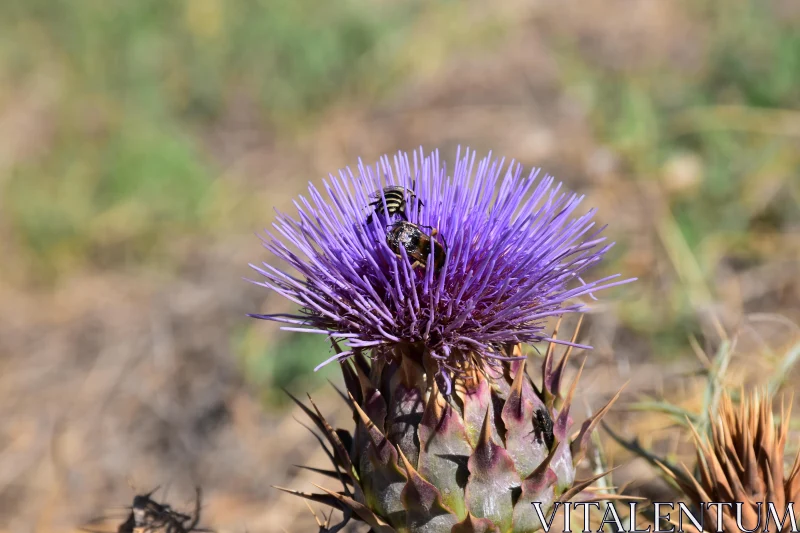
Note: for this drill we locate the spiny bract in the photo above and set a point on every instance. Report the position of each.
(420, 462)
(742, 461)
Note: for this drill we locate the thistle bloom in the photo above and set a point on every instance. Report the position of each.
(515, 248)
(437, 275)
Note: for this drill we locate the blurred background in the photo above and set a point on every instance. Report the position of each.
(143, 143)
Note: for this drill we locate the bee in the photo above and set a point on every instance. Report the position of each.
(417, 244)
(543, 426)
(394, 198)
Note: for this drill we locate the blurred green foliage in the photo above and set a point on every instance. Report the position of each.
(286, 364)
(709, 134)
(135, 83)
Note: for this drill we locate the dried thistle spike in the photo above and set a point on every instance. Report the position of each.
(742, 460)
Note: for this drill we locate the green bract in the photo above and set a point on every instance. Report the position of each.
(421, 462)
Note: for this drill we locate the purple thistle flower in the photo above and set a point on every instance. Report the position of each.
(515, 250)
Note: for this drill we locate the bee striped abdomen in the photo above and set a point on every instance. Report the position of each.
(395, 200)
(392, 200)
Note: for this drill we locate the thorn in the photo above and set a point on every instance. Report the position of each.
(434, 401)
(406, 464)
(606, 497)
(548, 357)
(579, 486)
(574, 338)
(334, 474)
(562, 421)
(309, 413)
(338, 391)
(555, 329)
(589, 426)
(319, 440)
(330, 433)
(371, 428)
(284, 489)
(571, 393)
(332, 493)
(336, 347)
(351, 381)
(562, 363)
(544, 465)
(361, 413)
(316, 519)
(486, 430)
(324, 499)
(363, 379)
(516, 386)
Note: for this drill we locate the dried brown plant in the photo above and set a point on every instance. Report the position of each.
(742, 461)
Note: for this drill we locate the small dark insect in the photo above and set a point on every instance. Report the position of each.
(149, 516)
(543, 426)
(417, 244)
(394, 198)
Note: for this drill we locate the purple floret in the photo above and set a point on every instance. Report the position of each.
(515, 252)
